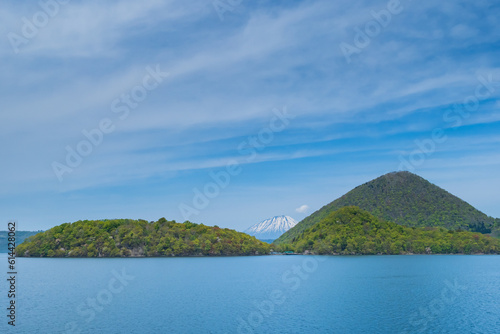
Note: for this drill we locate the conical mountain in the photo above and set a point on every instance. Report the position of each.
(406, 199)
(272, 228)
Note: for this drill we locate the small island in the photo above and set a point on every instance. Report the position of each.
(352, 231)
(139, 238)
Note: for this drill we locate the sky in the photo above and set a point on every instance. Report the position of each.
(231, 112)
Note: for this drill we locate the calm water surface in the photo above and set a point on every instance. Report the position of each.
(272, 294)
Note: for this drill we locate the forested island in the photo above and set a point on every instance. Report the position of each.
(139, 238)
(352, 231)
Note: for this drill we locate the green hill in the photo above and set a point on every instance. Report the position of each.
(137, 238)
(351, 230)
(20, 237)
(406, 199)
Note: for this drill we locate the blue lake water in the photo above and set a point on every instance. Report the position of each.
(271, 294)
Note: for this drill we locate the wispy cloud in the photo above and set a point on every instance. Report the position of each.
(225, 79)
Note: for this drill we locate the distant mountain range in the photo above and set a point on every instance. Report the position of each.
(20, 237)
(406, 199)
(271, 229)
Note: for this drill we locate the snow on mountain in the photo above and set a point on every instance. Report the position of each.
(271, 228)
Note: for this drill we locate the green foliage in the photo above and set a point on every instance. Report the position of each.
(351, 230)
(406, 199)
(124, 237)
(495, 232)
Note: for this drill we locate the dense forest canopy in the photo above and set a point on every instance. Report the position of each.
(406, 199)
(351, 230)
(123, 238)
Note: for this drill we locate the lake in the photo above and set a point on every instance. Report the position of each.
(269, 294)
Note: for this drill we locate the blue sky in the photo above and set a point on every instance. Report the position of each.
(429, 73)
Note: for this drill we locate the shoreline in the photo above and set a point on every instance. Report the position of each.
(262, 255)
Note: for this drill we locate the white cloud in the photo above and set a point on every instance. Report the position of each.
(225, 80)
(303, 209)
(92, 28)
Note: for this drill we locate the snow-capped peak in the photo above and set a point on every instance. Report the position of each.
(272, 228)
